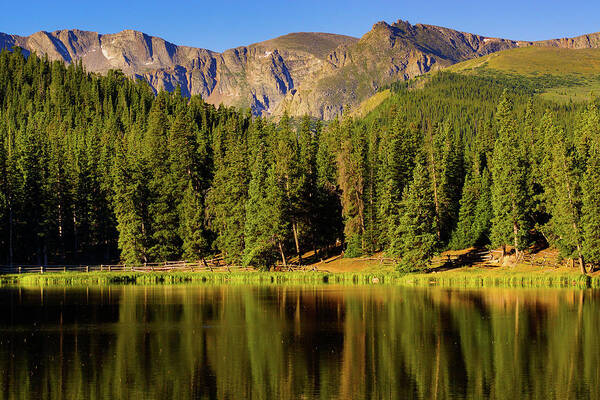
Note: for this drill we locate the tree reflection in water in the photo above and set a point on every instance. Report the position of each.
(298, 342)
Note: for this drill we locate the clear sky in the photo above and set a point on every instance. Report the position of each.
(222, 24)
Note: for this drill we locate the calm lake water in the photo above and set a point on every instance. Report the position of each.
(323, 342)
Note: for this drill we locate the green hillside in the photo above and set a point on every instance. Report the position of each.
(557, 74)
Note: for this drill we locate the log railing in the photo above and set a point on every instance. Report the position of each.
(213, 265)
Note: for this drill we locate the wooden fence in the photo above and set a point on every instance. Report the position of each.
(202, 265)
(214, 265)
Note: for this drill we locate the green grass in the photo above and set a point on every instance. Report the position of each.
(516, 280)
(580, 93)
(560, 75)
(537, 61)
(368, 105)
(464, 278)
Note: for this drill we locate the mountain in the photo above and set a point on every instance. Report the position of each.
(301, 73)
(256, 76)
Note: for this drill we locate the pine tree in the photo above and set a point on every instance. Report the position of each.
(415, 240)
(475, 212)
(4, 204)
(563, 196)
(288, 168)
(162, 209)
(308, 196)
(191, 225)
(30, 224)
(266, 224)
(328, 221)
(396, 161)
(509, 189)
(350, 167)
(130, 204)
(187, 175)
(227, 196)
(590, 209)
(451, 181)
(484, 212)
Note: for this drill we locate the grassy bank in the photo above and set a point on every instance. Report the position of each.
(464, 277)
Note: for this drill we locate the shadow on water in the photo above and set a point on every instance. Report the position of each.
(306, 342)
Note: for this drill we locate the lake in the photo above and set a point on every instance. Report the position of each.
(285, 342)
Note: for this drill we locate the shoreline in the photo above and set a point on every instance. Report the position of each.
(464, 278)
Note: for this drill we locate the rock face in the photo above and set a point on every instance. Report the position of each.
(301, 73)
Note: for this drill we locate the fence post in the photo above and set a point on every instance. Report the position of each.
(87, 268)
(19, 269)
(64, 268)
(42, 269)
(109, 268)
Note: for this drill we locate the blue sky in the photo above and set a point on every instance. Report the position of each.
(222, 24)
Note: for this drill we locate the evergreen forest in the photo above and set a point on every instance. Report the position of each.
(98, 169)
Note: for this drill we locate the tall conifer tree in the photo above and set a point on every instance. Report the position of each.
(509, 189)
(415, 240)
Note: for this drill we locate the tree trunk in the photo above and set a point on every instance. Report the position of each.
(282, 254)
(503, 254)
(75, 239)
(581, 260)
(435, 193)
(294, 225)
(516, 240)
(10, 236)
(575, 228)
(295, 230)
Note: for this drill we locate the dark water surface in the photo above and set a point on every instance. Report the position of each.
(324, 342)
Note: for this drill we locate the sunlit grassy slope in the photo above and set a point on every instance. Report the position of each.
(560, 74)
(368, 105)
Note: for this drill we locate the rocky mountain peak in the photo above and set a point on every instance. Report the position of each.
(302, 73)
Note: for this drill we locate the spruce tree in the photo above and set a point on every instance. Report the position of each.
(563, 195)
(288, 168)
(416, 240)
(351, 180)
(4, 211)
(452, 177)
(227, 195)
(396, 161)
(509, 189)
(162, 208)
(308, 192)
(266, 225)
(475, 212)
(130, 204)
(328, 221)
(187, 177)
(590, 211)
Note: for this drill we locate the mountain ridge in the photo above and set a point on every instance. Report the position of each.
(299, 73)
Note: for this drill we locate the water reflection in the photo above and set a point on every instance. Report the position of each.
(279, 342)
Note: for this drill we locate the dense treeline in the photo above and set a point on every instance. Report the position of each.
(98, 168)
(469, 161)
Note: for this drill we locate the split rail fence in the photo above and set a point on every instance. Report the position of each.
(202, 265)
(213, 265)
